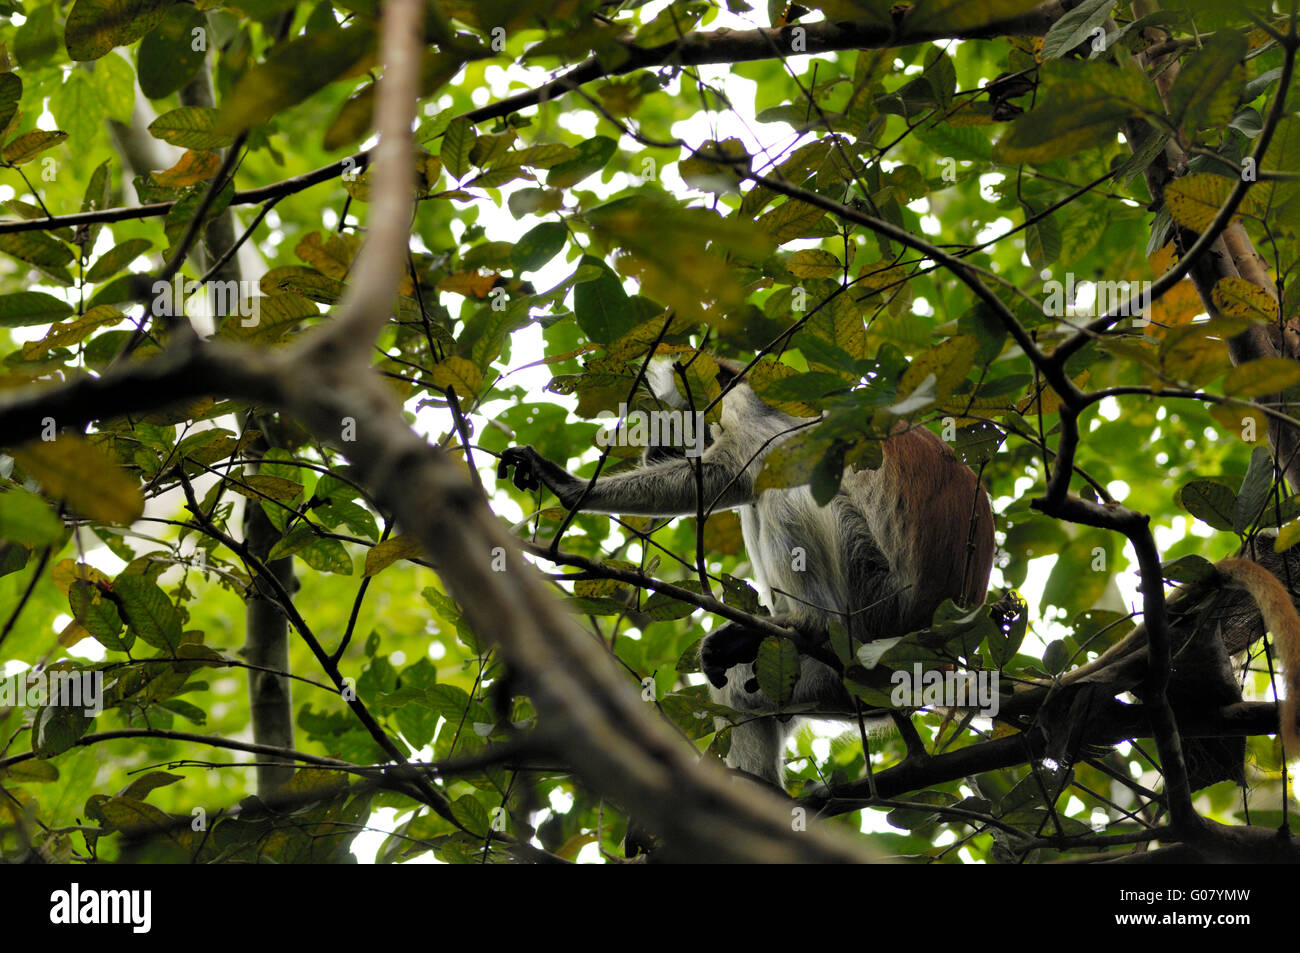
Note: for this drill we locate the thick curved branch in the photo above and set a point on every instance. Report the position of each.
(740, 46)
(1119, 723)
(367, 302)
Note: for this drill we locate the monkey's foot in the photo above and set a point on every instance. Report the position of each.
(726, 647)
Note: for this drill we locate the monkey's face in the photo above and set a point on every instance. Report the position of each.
(664, 383)
(663, 380)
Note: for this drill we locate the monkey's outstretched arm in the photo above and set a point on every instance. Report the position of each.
(667, 488)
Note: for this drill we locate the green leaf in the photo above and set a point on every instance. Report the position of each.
(790, 220)
(1188, 569)
(1055, 656)
(1209, 502)
(826, 475)
(117, 258)
(1005, 643)
(180, 214)
(593, 155)
(148, 612)
(76, 108)
(191, 127)
(602, 308)
(36, 248)
(1255, 487)
(98, 615)
(814, 263)
(98, 195)
(11, 90)
(23, 308)
(544, 156)
(96, 26)
(167, 58)
(294, 71)
(26, 518)
(777, 669)
(1209, 82)
(1082, 107)
(113, 81)
(457, 143)
(1075, 27)
(37, 40)
(57, 728)
(673, 23)
(539, 245)
(326, 555)
(1043, 242)
(957, 142)
(32, 771)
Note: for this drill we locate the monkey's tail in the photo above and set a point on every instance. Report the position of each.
(1281, 619)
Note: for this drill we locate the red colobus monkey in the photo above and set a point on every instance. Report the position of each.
(879, 558)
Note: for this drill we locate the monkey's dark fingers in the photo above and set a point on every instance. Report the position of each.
(520, 459)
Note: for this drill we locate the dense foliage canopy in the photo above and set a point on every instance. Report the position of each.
(1058, 234)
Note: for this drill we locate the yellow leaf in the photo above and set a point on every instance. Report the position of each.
(1246, 423)
(1191, 354)
(1268, 375)
(469, 283)
(766, 373)
(948, 361)
(790, 220)
(71, 332)
(814, 263)
(1287, 537)
(722, 533)
(193, 167)
(1239, 298)
(72, 633)
(1178, 306)
(330, 256)
(66, 571)
(1050, 401)
(459, 374)
(1195, 199)
(31, 144)
(74, 469)
(382, 555)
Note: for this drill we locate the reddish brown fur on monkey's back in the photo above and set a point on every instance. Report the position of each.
(940, 495)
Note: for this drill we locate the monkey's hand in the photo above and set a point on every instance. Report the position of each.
(532, 470)
(730, 645)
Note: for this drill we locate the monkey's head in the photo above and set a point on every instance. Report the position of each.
(664, 383)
